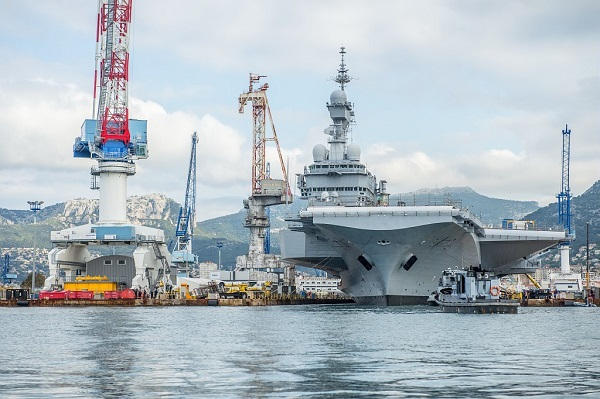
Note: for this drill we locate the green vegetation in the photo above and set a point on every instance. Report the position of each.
(39, 281)
(585, 209)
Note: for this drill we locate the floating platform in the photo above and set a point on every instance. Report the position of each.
(176, 302)
(508, 307)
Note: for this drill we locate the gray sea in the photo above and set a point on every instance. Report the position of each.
(297, 351)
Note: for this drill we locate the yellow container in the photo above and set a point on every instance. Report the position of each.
(91, 285)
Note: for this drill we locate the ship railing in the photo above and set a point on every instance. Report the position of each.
(425, 200)
(357, 213)
(529, 237)
(537, 227)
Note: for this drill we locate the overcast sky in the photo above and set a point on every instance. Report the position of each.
(448, 93)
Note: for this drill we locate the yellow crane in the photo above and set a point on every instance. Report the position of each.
(533, 281)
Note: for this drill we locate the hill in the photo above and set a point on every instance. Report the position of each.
(490, 210)
(156, 210)
(585, 209)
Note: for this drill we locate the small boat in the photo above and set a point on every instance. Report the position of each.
(471, 291)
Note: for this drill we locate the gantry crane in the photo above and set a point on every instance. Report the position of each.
(265, 191)
(182, 256)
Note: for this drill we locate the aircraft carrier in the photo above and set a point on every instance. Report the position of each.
(389, 254)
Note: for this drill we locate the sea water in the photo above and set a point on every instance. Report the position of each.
(297, 351)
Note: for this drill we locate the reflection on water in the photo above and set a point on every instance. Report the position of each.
(297, 351)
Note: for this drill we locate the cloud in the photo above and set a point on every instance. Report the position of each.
(41, 118)
(449, 93)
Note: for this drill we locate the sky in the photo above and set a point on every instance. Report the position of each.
(446, 93)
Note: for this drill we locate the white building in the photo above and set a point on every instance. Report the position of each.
(318, 285)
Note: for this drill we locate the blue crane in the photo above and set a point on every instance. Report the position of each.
(564, 197)
(7, 277)
(182, 255)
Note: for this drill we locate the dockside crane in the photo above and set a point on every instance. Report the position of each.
(265, 191)
(182, 256)
(7, 277)
(564, 201)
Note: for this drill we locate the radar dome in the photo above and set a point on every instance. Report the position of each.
(353, 152)
(338, 97)
(319, 153)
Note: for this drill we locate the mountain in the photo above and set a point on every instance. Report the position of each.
(18, 235)
(490, 210)
(585, 208)
(17, 228)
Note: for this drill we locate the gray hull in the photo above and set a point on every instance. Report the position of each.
(395, 255)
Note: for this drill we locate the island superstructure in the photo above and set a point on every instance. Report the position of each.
(389, 253)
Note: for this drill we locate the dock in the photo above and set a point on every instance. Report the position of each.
(555, 302)
(175, 302)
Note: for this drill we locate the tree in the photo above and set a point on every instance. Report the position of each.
(39, 281)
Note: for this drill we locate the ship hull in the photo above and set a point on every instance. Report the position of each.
(396, 257)
(400, 267)
(390, 300)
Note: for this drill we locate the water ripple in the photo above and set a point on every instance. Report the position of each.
(297, 351)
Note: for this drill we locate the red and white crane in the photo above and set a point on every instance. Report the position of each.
(111, 76)
(265, 191)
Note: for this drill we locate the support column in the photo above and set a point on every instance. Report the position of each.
(565, 265)
(113, 190)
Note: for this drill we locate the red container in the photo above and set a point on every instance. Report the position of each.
(81, 295)
(85, 295)
(111, 294)
(127, 294)
(53, 294)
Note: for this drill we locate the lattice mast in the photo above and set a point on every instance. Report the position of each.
(111, 75)
(564, 197)
(187, 213)
(260, 111)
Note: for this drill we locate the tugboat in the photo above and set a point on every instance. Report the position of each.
(471, 291)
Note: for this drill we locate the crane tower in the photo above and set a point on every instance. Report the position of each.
(564, 200)
(182, 256)
(265, 191)
(115, 142)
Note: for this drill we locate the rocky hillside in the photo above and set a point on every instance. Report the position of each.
(140, 209)
(157, 210)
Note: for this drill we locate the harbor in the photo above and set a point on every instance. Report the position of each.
(299, 199)
(177, 302)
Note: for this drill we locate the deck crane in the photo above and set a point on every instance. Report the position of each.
(564, 200)
(182, 256)
(265, 190)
